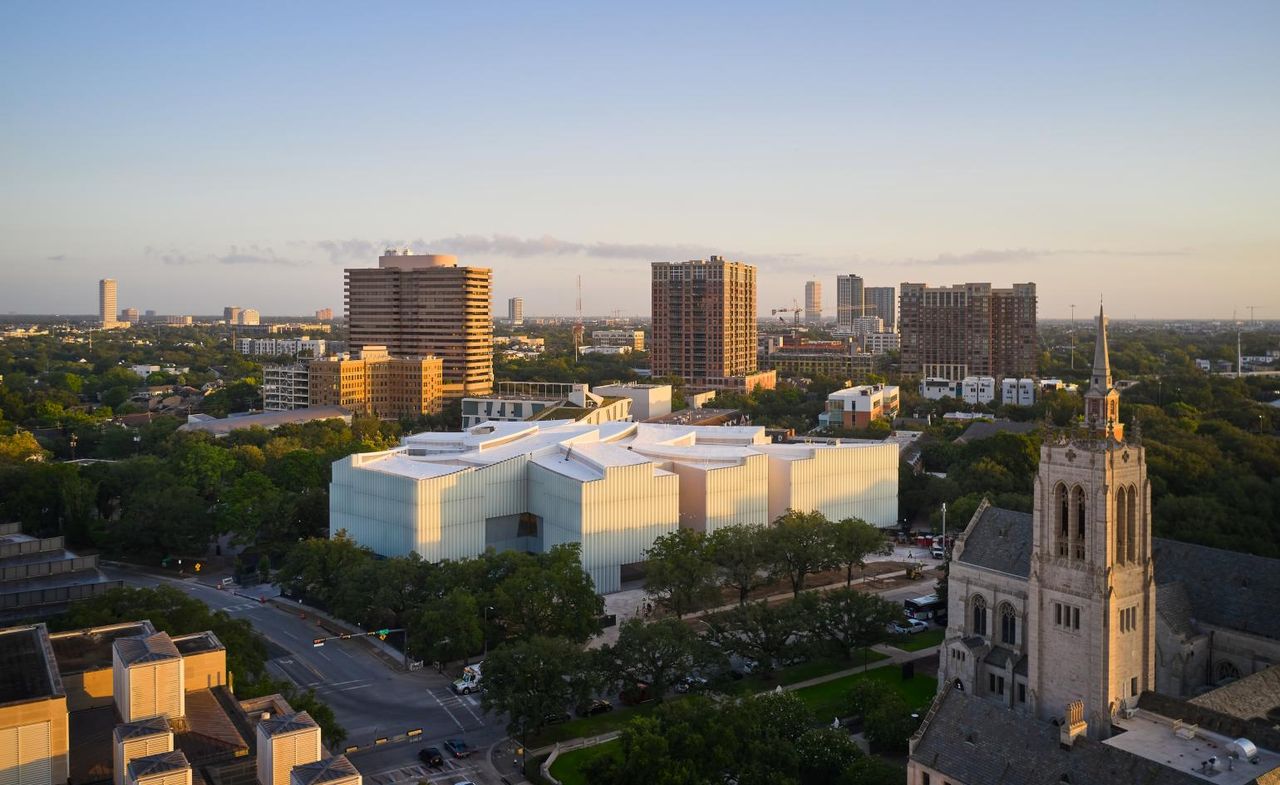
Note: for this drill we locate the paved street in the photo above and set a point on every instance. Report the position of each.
(369, 698)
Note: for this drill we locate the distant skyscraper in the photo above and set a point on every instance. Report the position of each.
(882, 301)
(850, 302)
(107, 303)
(968, 330)
(248, 316)
(231, 314)
(515, 310)
(129, 315)
(324, 315)
(418, 305)
(704, 323)
(812, 302)
(149, 313)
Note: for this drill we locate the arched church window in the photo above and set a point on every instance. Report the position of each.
(1131, 525)
(1064, 527)
(1082, 520)
(1227, 670)
(1120, 524)
(979, 614)
(1008, 625)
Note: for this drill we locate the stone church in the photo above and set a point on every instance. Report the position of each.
(1071, 614)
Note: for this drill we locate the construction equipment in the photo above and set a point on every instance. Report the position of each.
(795, 309)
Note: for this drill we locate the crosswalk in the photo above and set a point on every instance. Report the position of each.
(242, 607)
(464, 710)
(452, 772)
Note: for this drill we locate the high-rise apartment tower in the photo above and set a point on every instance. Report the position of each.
(850, 302)
(515, 310)
(968, 330)
(812, 302)
(881, 301)
(417, 305)
(107, 303)
(704, 322)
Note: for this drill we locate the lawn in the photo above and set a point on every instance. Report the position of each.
(593, 726)
(794, 674)
(921, 640)
(568, 766)
(827, 699)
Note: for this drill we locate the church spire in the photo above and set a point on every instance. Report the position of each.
(1102, 401)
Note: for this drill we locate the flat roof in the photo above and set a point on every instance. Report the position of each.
(197, 643)
(268, 420)
(1151, 736)
(27, 668)
(78, 651)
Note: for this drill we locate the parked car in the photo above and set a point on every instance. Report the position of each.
(592, 708)
(915, 625)
(556, 717)
(690, 682)
(430, 756)
(897, 628)
(458, 747)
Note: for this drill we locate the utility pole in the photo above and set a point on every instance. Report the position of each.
(1073, 336)
(944, 528)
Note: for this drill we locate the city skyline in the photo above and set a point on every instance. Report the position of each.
(176, 152)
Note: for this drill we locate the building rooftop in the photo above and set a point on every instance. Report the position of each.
(326, 770)
(999, 540)
(156, 647)
(697, 417)
(28, 671)
(1151, 736)
(1224, 588)
(160, 763)
(1255, 697)
(197, 643)
(268, 420)
(78, 651)
(140, 729)
(287, 723)
(986, 429)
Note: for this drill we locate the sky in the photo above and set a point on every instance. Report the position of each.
(213, 154)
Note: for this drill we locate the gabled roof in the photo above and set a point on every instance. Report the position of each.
(287, 723)
(159, 763)
(1174, 607)
(327, 770)
(1255, 697)
(151, 726)
(973, 740)
(999, 540)
(1225, 588)
(147, 648)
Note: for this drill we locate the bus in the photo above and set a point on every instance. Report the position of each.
(925, 608)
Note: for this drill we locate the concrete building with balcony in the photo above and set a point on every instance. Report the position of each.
(882, 342)
(881, 301)
(813, 302)
(969, 329)
(858, 407)
(612, 488)
(850, 302)
(515, 311)
(276, 347)
(420, 305)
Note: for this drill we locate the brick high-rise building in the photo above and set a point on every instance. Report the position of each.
(704, 323)
(850, 301)
(881, 301)
(424, 304)
(812, 302)
(968, 330)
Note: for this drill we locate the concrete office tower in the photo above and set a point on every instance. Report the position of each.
(418, 305)
(231, 314)
(704, 322)
(850, 301)
(249, 316)
(324, 315)
(968, 329)
(881, 301)
(107, 303)
(129, 315)
(812, 302)
(515, 310)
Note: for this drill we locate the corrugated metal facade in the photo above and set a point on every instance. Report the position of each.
(138, 747)
(277, 755)
(26, 755)
(839, 482)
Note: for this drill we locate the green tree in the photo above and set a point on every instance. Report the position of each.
(549, 594)
(250, 506)
(767, 634)
(741, 557)
(531, 681)
(316, 568)
(849, 620)
(332, 733)
(801, 544)
(678, 572)
(19, 447)
(852, 541)
(448, 628)
(655, 653)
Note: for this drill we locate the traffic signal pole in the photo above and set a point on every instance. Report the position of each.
(382, 635)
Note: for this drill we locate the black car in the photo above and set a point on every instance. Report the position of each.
(598, 706)
(556, 717)
(430, 756)
(458, 747)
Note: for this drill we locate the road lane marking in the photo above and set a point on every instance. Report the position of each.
(446, 710)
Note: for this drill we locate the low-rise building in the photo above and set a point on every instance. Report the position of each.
(882, 342)
(286, 387)
(34, 737)
(631, 339)
(375, 383)
(978, 389)
(519, 401)
(834, 359)
(857, 407)
(303, 346)
(1018, 392)
(222, 426)
(647, 400)
(936, 388)
(610, 350)
(39, 577)
(612, 487)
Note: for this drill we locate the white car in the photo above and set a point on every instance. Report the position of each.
(915, 625)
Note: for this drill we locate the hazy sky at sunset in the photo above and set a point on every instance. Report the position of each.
(208, 154)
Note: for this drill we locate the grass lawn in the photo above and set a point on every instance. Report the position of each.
(594, 726)
(568, 766)
(921, 640)
(827, 699)
(793, 674)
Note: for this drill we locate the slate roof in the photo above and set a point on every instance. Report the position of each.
(332, 769)
(151, 726)
(986, 429)
(977, 741)
(1225, 588)
(1255, 697)
(999, 657)
(147, 648)
(287, 723)
(1174, 606)
(999, 540)
(159, 763)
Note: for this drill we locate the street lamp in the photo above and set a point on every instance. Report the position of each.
(137, 443)
(485, 630)
(73, 441)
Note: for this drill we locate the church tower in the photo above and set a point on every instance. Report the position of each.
(1091, 630)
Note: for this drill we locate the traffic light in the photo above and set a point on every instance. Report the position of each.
(383, 632)
(198, 566)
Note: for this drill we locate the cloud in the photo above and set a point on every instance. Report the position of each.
(56, 258)
(235, 255)
(1015, 255)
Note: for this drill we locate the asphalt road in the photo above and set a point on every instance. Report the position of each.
(370, 699)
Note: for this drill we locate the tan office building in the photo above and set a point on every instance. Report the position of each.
(376, 383)
(704, 323)
(971, 329)
(107, 303)
(420, 305)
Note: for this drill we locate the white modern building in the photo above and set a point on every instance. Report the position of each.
(647, 400)
(520, 401)
(275, 347)
(1018, 392)
(611, 487)
(858, 407)
(936, 388)
(978, 389)
(632, 339)
(882, 342)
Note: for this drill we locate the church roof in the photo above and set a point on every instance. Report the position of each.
(973, 740)
(1174, 606)
(999, 540)
(1224, 588)
(1255, 697)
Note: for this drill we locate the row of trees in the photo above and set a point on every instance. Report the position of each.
(688, 569)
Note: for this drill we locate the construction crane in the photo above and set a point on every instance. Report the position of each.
(795, 309)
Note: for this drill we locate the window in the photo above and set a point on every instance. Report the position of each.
(1057, 614)
(1082, 521)
(979, 614)
(1064, 529)
(924, 778)
(1131, 526)
(1022, 693)
(1075, 618)
(1066, 616)
(1133, 686)
(1008, 625)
